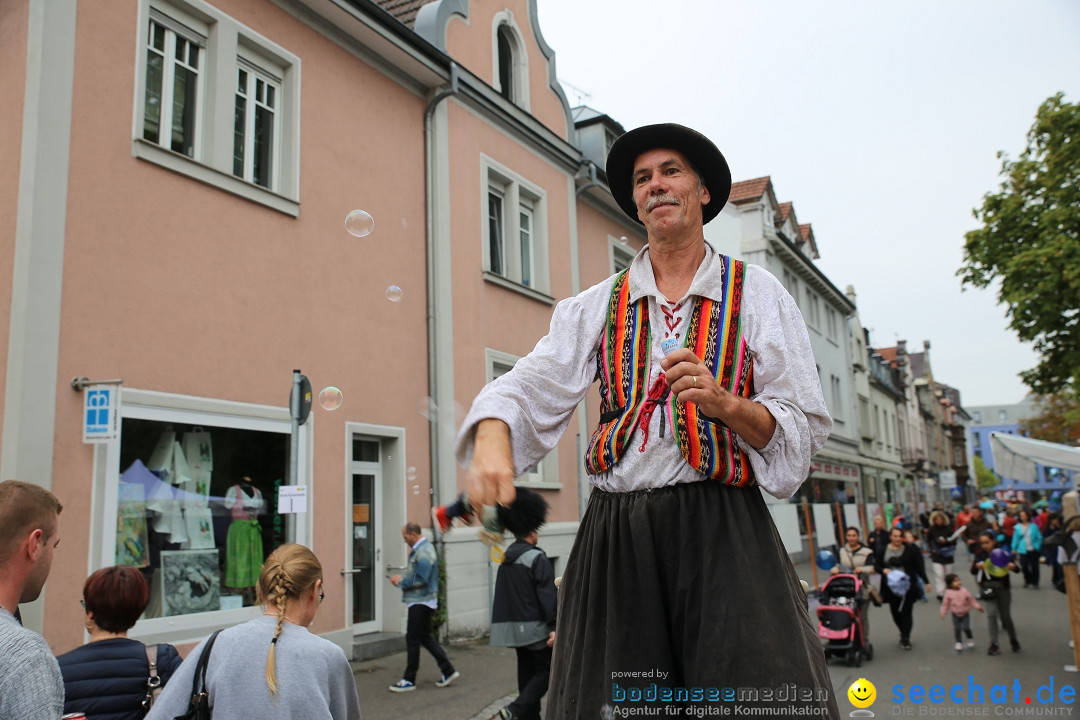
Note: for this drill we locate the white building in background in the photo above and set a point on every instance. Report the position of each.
(756, 228)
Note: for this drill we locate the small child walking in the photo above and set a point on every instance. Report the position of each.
(958, 600)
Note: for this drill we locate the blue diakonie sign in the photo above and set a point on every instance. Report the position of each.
(100, 412)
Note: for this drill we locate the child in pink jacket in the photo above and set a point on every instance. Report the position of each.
(958, 600)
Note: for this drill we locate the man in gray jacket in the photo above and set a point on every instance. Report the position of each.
(420, 593)
(523, 617)
(31, 687)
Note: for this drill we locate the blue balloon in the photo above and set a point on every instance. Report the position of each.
(1000, 557)
(826, 560)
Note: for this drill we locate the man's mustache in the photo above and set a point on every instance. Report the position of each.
(655, 200)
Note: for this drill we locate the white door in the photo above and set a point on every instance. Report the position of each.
(364, 555)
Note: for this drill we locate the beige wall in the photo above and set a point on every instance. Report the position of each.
(13, 37)
(179, 287)
(472, 44)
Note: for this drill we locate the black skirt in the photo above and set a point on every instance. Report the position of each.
(683, 598)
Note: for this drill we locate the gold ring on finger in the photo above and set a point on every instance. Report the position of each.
(695, 380)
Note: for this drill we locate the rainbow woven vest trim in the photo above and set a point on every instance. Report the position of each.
(623, 369)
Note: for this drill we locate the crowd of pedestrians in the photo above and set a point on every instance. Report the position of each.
(965, 557)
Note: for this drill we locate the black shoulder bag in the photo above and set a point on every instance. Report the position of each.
(200, 699)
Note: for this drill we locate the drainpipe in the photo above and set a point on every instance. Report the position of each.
(583, 420)
(444, 92)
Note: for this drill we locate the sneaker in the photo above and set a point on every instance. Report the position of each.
(959, 647)
(970, 644)
(505, 714)
(438, 516)
(403, 685)
(994, 649)
(1014, 644)
(447, 679)
(905, 644)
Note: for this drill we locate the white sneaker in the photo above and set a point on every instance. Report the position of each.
(971, 643)
(958, 646)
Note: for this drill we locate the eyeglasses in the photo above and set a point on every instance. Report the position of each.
(83, 603)
(322, 596)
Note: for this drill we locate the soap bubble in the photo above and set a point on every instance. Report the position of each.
(359, 223)
(394, 293)
(624, 240)
(415, 489)
(429, 409)
(411, 474)
(330, 398)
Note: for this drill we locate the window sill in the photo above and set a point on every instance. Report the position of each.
(182, 164)
(518, 287)
(538, 485)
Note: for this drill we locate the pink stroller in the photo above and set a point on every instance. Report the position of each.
(842, 619)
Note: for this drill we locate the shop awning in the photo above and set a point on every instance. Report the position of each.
(1016, 456)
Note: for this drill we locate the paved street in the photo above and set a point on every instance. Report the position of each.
(488, 674)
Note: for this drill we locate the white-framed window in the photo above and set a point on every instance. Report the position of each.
(832, 325)
(837, 404)
(255, 124)
(174, 83)
(510, 60)
(218, 102)
(792, 284)
(813, 303)
(545, 472)
(976, 416)
(515, 234)
(168, 491)
(620, 255)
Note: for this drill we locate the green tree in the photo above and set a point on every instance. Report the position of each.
(1030, 242)
(1058, 419)
(984, 476)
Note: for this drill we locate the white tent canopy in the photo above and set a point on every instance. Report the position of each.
(1016, 456)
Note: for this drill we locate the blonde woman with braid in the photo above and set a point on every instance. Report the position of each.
(272, 667)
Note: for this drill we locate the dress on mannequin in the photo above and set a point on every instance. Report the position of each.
(244, 546)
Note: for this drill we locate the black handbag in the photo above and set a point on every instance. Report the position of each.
(153, 682)
(988, 593)
(200, 699)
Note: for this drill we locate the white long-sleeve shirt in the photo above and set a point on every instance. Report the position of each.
(539, 395)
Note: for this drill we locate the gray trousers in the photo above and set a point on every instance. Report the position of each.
(1000, 610)
(961, 625)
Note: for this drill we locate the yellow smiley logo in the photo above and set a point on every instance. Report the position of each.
(862, 693)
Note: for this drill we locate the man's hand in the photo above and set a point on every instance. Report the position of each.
(395, 579)
(691, 381)
(551, 638)
(490, 477)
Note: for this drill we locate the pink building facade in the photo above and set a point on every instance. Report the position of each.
(173, 217)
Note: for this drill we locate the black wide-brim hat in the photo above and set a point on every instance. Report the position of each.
(699, 150)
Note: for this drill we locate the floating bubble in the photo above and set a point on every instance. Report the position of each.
(411, 474)
(624, 240)
(394, 293)
(415, 489)
(330, 398)
(359, 223)
(429, 409)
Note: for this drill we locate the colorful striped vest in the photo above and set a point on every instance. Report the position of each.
(623, 369)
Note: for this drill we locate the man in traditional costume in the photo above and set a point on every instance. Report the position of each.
(678, 591)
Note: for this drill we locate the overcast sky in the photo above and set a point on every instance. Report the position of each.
(880, 122)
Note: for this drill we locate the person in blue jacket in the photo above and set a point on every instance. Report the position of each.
(1027, 541)
(107, 678)
(420, 593)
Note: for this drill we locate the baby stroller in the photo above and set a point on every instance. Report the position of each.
(842, 619)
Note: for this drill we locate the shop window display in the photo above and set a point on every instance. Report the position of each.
(197, 511)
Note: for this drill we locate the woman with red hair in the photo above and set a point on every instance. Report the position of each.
(107, 678)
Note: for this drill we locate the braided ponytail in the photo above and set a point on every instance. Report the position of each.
(290, 571)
